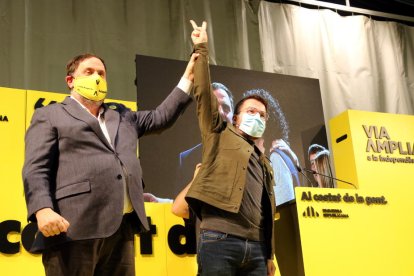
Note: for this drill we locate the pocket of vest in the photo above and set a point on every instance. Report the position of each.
(73, 189)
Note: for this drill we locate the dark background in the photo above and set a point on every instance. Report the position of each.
(298, 97)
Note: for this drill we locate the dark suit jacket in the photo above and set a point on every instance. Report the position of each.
(71, 168)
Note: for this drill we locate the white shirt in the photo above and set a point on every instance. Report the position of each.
(184, 84)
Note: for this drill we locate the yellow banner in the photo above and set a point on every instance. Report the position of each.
(354, 232)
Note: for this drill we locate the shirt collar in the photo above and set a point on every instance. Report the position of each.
(101, 109)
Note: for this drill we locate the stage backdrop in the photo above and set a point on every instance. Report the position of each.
(299, 99)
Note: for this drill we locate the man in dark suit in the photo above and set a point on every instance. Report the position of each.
(82, 178)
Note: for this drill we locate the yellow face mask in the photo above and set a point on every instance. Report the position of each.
(92, 87)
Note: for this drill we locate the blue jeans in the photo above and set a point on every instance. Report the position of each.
(223, 254)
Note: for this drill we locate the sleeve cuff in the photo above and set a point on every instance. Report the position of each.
(185, 84)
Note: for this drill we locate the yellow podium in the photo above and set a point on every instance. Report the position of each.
(372, 148)
(367, 229)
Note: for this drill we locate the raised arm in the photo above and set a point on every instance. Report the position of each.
(207, 106)
(165, 115)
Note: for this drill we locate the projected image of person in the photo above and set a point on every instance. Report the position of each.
(284, 160)
(232, 193)
(320, 163)
(82, 178)
(190, 158)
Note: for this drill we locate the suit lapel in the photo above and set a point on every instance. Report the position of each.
(112, 119)
(78, 112)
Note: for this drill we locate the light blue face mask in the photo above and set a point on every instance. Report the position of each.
(252, 125)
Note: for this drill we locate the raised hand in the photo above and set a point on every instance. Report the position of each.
(199, 34)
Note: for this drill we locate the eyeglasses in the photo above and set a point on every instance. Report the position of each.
(253, 111)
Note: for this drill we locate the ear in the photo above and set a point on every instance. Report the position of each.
(69, 81)
(234, 119)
